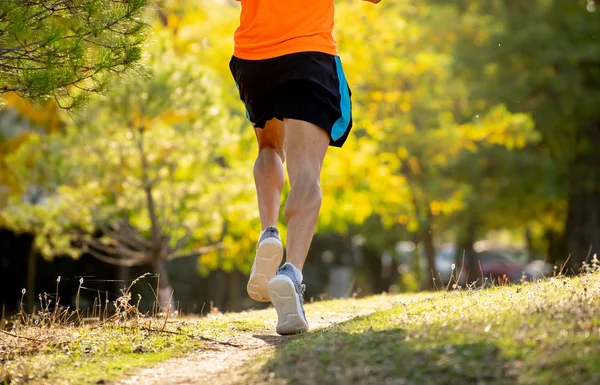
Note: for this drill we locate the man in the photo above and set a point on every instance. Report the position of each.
(290, 78)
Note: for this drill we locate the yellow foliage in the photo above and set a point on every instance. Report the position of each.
(210, 259)
(408, 129)
(402, 153)
(8, 183)
(46, 117)
(377, 96)
(413, 226)
(391, 97)
(436, 208)
(440, 159)
(173, 22)
(415, 167)
(520, 141)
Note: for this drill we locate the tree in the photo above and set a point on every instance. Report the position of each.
(431, 158)
(205, 28)
(543, 57)
(144, 170)
(52, 48)
(416, 109)
(234, 220)
(18, 121)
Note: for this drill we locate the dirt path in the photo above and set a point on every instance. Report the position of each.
(227, 365)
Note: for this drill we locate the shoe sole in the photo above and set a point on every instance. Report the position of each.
(288, 306)
(268, 258)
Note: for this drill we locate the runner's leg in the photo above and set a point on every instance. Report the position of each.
(306, 145)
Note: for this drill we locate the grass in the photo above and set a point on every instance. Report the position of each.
(75, 355)
(537, 333)
(51, 348)
(61, 346)
(543, 332)
(66, 354)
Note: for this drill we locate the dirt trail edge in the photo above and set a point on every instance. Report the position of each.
(229, 365)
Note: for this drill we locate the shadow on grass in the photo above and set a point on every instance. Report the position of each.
(335, 356)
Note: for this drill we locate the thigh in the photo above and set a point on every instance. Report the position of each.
(306, 145)
(272, 135)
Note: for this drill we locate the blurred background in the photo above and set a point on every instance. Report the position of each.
(475, 150)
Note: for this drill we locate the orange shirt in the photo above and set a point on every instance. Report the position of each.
(271, 28)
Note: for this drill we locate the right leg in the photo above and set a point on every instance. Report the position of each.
(269, 179)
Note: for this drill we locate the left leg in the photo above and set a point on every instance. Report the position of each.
(306, 148)
(306, 145)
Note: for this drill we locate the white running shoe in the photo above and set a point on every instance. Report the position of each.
(287, 296)
(269, 254)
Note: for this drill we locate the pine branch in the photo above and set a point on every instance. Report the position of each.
(67, 44)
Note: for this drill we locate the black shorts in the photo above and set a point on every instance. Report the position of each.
(307, 86)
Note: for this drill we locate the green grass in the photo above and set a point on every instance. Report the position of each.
(82, 355)
(63, 354)
(537, 333)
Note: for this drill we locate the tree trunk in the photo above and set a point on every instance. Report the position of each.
(474, 269)
(218, 289)
(122, 276)
(395, 274)
(234, 290)
(372, 263)
(166, 298)
(466, 260)
(429, 247)
(582, 229)
(529, 244)
(31, 273)
(426, 238)
(389, 271)
(416, 260)
(556, 247)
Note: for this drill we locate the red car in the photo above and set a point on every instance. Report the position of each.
(503, 265)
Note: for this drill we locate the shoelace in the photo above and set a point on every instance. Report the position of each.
(303, 289)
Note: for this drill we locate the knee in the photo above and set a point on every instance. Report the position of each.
(266, 147)
(271, 138)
